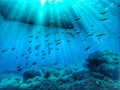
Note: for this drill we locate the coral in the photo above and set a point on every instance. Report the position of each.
(10, 87)
(64, 80)
(97, 75)
(105, 62)
(78, 75)
(69, 70)
(45, 85)
(89, 83)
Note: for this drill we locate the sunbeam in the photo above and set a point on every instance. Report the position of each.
(59, 44)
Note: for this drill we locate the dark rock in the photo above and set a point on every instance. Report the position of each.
(47, 75)
(78, 75)
(110, 71)
(105, 62)
(30, 74)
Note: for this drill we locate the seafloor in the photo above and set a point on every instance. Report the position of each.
(101, 72)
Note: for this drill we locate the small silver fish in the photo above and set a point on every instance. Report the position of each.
(101, 34)
(103, 19)
(86, 49)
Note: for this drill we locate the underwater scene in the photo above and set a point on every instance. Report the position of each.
(59, 44)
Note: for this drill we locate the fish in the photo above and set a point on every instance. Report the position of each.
(52, 25)
(18, 66)
(26, 64)
(31, 23)
(77, 19)
(55, 33)
(103, 19)
(57, 49)
(29, 48)
(88, 35)
(43, 54)
(43, 51)
(47, 35)
(3, 51)
(31, 36)
(58, 42)
(9, 78)
(43, 58)
(13, 49)
(26, 57)
(87, 48)
(30, 52)
(104, 12)
(69, 33)
(16, 57)
(36, 54)
(34, 63)
(72, 36)
(77, 32)
(82, 40)
(70, 26)
(50, 49)
(46, 40)
(30, 41)
(37, 46)
(68, 41)
(92, 25)
(23, 55)
(20, 69)
(39, 31)
(63, 32)
(36, 37)
(55, 63)
(49, 52)
(17, 80)
(98, 38)
(49, 44)
(100, 34)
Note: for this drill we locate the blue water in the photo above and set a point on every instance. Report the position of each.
(96, 29)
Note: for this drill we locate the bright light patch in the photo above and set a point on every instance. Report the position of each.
(42, 2)
(43, 12)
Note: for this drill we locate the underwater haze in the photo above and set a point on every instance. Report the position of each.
(59, 44)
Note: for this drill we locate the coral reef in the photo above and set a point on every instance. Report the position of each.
(101, 74)
(46, 85)
(105, 62)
